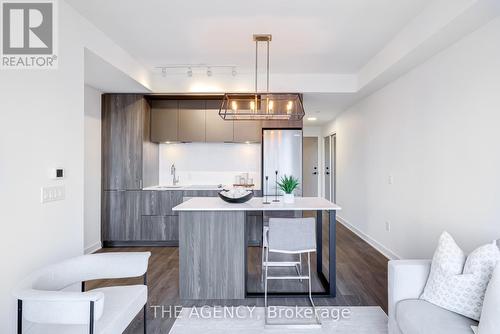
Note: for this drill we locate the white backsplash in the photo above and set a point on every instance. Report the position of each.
(209, 163)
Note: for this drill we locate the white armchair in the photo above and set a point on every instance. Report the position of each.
(47, 308)
(410, 315)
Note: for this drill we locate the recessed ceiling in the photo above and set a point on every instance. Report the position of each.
(313, 36)
(324, 107)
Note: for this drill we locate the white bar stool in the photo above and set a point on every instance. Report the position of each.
(290, 236)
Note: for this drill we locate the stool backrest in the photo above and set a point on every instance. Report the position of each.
(292, 235)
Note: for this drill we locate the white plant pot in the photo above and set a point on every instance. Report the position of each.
(288, 198)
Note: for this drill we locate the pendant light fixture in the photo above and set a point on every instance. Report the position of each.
(261, 105)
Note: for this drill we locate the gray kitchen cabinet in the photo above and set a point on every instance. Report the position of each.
(129, 159)
(217, 129)
(150, 202)
(247, 131)
(160, 228)
(164, 120)
(192, 120)
(169, 199)
(121, 215)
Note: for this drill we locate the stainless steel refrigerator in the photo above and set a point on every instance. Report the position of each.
(281, 152)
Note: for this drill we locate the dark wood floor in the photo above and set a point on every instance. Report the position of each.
(361, 281)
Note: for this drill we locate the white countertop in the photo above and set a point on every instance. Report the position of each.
(255, 204)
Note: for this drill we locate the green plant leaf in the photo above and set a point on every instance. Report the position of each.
(288, 184)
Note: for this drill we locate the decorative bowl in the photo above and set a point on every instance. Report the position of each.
(236, 197)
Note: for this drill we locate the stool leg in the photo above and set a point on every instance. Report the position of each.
(265, 281)
(262, 264)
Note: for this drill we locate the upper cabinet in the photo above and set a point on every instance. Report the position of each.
(129, 159)
(164, 120)
(247, 131)
(217, 129)
(191, 120)
(199, 121)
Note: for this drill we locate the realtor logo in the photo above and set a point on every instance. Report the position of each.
(28, 32)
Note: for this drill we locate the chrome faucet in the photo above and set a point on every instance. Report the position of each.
(175, 179)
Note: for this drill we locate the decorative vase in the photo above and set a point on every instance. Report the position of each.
(288, 198)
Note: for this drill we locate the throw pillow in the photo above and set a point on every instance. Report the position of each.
(490, 319)
(458, 283)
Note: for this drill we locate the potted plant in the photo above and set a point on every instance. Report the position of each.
(288, 184)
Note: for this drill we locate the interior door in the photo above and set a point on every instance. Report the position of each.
(310, 167)
(327, 171)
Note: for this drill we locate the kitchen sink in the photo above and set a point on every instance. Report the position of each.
(170, 187)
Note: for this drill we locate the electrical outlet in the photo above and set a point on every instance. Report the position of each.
(390, 179)
(51, 194)
(388, 226)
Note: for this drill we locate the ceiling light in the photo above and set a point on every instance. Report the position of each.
(234, 105)
(271, 105)
(209, 72)
(311, 119)
(190, 72)
(233, 72)
(262, 105)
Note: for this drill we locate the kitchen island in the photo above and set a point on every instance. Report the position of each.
(212, 244)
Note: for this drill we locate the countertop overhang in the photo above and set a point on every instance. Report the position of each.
(256, 204)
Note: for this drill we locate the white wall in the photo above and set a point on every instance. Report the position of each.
(42, 126)
(210, 163)
(92, 170)
(435, 130)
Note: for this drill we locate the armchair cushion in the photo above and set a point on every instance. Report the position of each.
(122, 304)
(416, 316)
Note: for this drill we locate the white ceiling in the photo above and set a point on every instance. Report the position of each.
(313, 36)
(324, 106)
(334, 51)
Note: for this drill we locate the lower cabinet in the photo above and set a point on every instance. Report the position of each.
(121, 215)
(160, 228)
(135, 216)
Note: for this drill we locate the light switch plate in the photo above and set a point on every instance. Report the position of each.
(51, 194)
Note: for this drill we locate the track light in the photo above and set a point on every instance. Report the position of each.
(233, 72)
(190, 72)
(209, 71)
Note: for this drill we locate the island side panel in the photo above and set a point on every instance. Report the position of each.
(212, 254)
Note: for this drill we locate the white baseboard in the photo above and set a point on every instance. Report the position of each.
(92, 248)
(372, 242)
